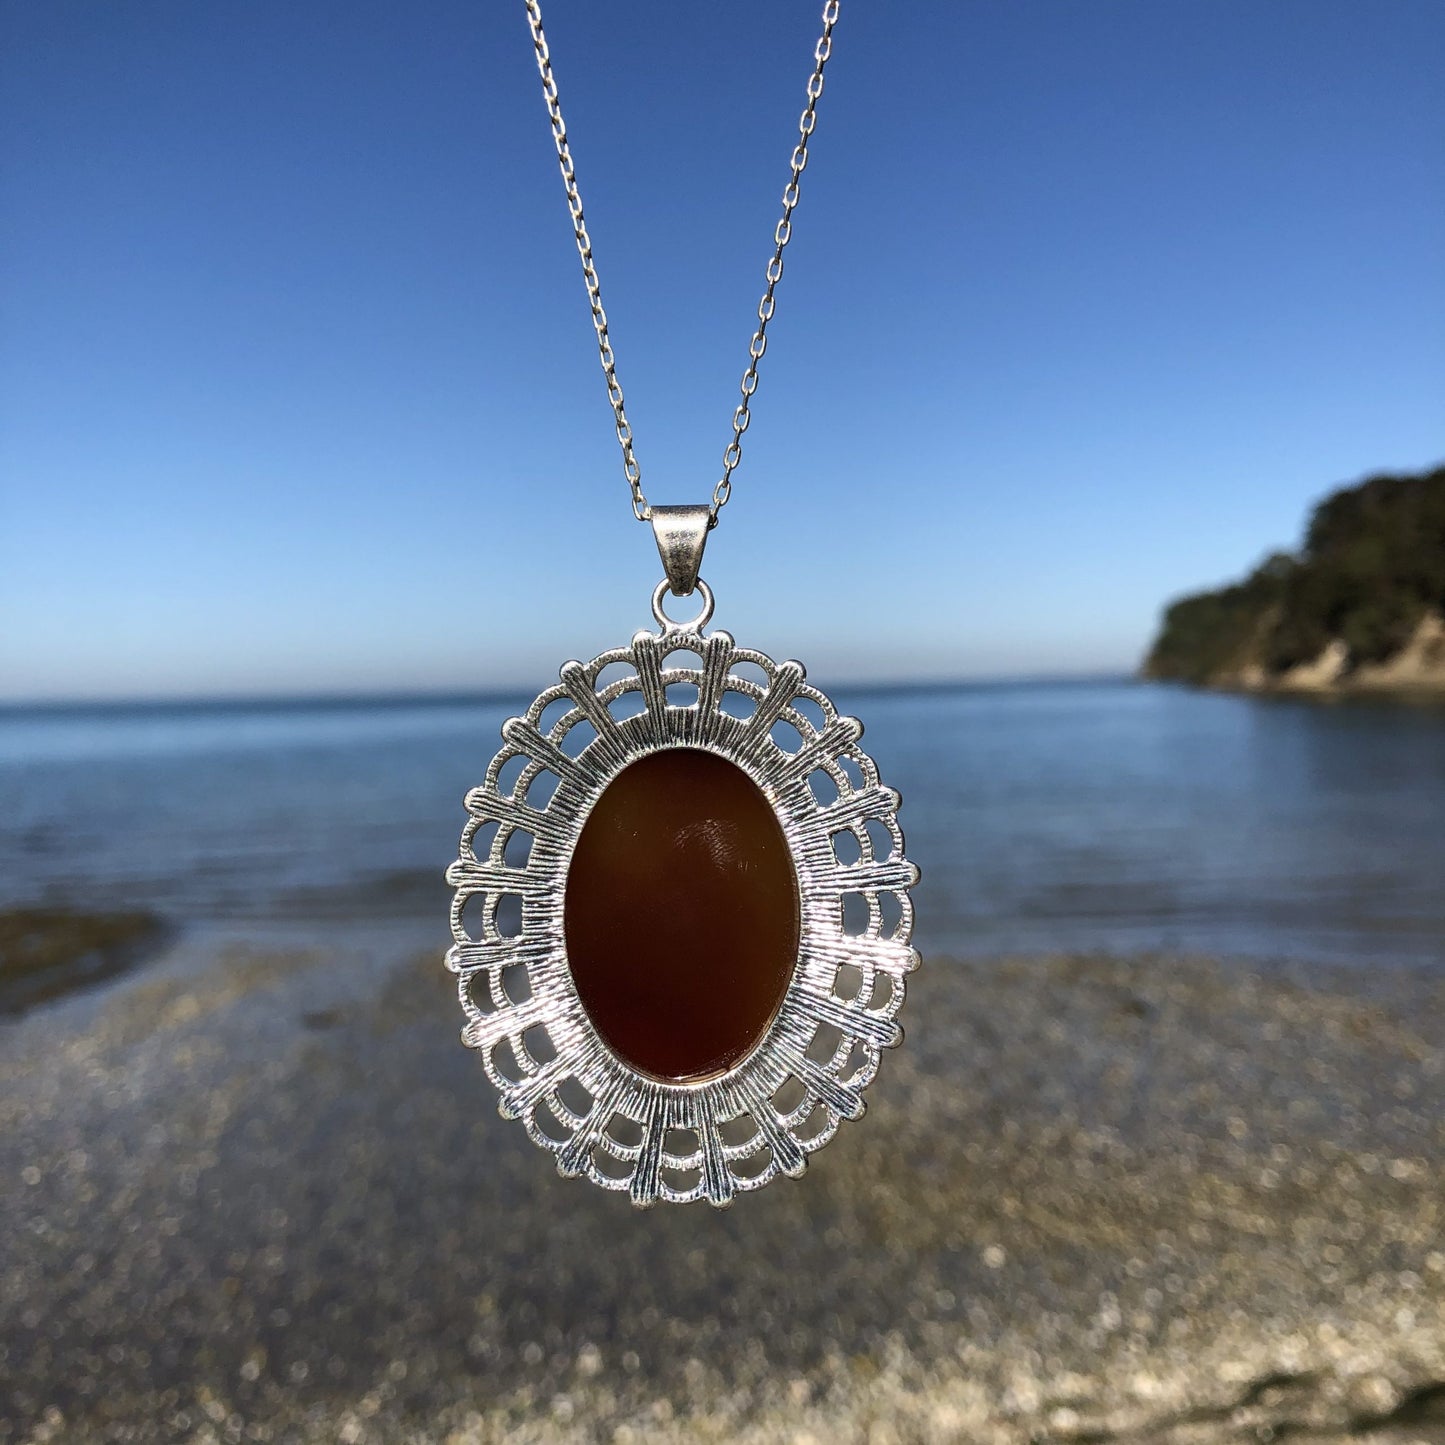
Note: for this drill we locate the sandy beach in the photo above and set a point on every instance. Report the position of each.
(258, 1192)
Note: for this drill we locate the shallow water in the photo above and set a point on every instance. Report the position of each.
(1116, 816)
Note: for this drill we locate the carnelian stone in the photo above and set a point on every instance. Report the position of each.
(681, 914)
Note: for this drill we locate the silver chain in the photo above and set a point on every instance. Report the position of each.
(782, 233)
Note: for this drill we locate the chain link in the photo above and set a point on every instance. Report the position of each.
(589, 268)
(782, 234)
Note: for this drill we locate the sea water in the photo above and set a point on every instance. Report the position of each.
(1100, 816)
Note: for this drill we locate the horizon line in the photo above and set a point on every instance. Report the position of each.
(435, 697)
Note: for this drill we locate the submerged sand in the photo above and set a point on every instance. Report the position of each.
(260, 1193)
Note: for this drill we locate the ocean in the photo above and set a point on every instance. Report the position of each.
(1112, 817)
(1177, 1166)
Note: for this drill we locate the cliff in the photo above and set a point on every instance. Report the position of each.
(1359, 608)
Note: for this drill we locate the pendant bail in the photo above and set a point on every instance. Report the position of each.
(681, 534)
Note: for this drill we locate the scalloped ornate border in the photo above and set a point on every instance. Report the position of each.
(624, 1130)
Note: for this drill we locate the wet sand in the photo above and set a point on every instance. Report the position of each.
(261, 1193)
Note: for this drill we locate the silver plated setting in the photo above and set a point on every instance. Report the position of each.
(600, 1117)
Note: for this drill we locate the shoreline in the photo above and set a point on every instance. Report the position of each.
(1402, 693)
(1414, 672)
(49, 953)
(1160, 1199)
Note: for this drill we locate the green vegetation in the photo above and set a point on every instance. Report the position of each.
(1372, 567)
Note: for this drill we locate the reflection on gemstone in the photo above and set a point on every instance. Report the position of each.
(681, 914)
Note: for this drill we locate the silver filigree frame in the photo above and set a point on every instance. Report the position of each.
(600, 1117)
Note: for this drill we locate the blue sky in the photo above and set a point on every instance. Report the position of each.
(1086, 304)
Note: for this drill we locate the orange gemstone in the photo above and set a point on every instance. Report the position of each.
(681, 914)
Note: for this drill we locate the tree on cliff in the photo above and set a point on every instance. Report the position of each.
(1372, 566)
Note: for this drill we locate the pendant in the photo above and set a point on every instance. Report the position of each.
(682, 921)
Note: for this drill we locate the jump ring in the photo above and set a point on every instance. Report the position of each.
(696, 624)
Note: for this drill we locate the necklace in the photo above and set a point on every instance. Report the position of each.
(682, 921)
